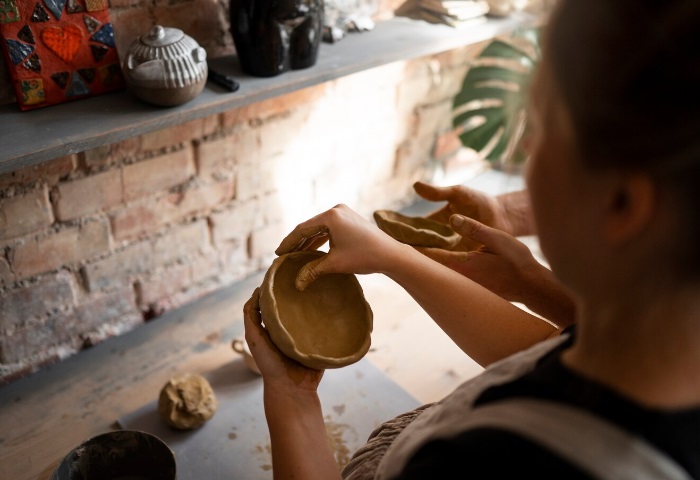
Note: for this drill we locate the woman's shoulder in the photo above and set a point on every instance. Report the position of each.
(501, 451)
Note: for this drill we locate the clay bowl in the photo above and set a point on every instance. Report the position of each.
(417, 231)
(118, 454)
(328, 325)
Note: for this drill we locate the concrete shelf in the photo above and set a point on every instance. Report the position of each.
(33, 137)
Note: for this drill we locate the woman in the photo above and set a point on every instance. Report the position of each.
(613, 184)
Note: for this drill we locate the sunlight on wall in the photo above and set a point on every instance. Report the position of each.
(341, 146)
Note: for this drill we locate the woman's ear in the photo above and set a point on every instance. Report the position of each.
(632, 206)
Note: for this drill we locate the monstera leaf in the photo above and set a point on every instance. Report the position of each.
(489, 113)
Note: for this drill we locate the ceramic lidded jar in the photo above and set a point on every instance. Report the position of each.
(166, 67)
(273, 36)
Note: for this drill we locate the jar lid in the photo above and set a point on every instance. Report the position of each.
(160, 36)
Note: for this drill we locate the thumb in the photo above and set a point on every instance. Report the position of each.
(492, 238)
(431, 192)
(311, 271)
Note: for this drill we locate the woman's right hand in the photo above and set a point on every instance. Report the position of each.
(356, 245)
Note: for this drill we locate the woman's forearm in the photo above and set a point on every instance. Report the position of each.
(298, 438)
(548, 297)
(485, 326)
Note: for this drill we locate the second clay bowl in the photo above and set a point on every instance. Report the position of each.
(416, 231)
(328, 325)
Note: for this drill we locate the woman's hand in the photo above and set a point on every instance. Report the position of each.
(356, 245)
(275, 367)
(298, 439)
(506, 266)
(509, 212)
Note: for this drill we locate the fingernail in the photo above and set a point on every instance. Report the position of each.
(457, 220)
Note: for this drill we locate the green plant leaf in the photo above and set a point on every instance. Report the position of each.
(487, 110)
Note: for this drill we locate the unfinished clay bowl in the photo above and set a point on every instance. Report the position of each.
(328, 325)
(417, 231)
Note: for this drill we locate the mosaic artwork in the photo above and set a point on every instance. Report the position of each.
(59, 50)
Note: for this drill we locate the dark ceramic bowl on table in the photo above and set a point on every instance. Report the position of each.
(118, 455)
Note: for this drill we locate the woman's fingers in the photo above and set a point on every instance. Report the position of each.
(492, 239)
(311, 271)
(303, 238)
(433, 193)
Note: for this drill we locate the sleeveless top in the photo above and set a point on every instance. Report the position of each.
(566, 430)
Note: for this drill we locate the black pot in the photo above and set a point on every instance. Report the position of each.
(273, 36)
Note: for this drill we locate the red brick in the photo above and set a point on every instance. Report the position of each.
(179, 134)
(115, 153)
(274, 106)
(48, 172)
(238, 221)
(148, 215)
(159, 173)
(68, 331)
(38, 339)
(411, 156)
(181, 243)
(130, 24)
(6, 275)
(119, 268)
(50, 294)
(88, 195)
(264, 241)
(206, 22)
(65, 247)
(434, 118)
(163, 283)
(171, 280)
(125, 265)
(105, 315)
(236, 263)
(249, 181)
(216, 156)
(25, 213)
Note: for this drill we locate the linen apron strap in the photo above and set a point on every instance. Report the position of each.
(585, 440)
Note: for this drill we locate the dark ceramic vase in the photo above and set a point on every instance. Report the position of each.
(273, 36)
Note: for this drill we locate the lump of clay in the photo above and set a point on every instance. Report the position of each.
(417, 231)
(328, 325)
(187, 401)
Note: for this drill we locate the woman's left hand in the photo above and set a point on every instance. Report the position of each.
(277, 370)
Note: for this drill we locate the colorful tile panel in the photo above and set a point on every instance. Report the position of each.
(59, 50)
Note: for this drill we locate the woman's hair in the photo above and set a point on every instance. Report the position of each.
(629, 73)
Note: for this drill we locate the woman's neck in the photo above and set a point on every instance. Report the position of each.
(647, 348)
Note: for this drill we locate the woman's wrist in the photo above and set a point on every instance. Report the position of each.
(550, 299)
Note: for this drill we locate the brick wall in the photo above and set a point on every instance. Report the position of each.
(94, 244)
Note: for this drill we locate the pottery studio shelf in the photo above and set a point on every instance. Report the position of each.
(32, 137)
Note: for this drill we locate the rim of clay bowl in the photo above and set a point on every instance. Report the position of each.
(328, 325)
(120, 453)
(416, 231)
